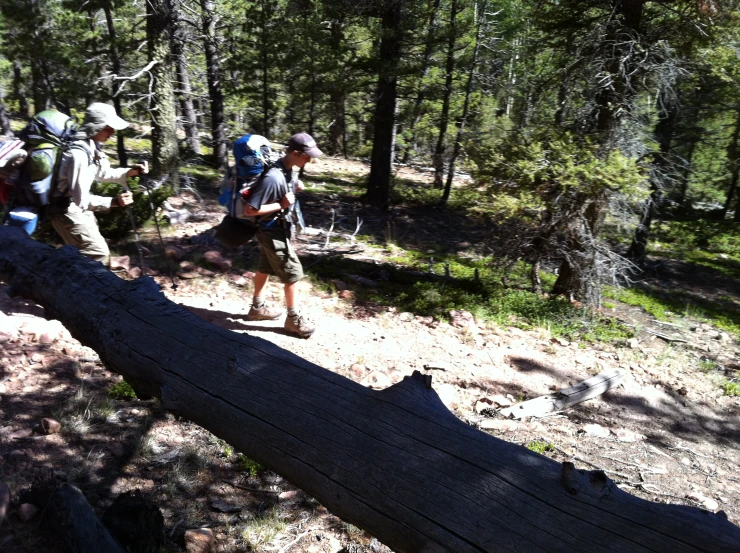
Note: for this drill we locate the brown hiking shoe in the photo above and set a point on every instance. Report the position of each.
(299, 325)
(264, 313)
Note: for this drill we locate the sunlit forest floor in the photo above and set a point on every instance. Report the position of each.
(381, 299)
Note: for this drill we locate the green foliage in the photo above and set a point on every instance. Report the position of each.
(117, 223)
(121, 390)
(541, 447)
(252, 468)
(712, 236)
(731, 388)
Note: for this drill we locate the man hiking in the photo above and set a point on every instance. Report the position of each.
(269, 202)
(72, 207)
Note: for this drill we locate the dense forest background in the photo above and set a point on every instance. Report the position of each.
(570, 115)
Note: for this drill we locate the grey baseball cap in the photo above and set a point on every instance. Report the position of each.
(98, 116)
(303, 142)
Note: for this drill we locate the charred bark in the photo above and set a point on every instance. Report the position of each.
(395, 462)
(115, 61)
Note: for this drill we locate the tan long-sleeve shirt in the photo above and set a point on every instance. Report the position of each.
(77, 172)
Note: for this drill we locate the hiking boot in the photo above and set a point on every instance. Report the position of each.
(264, 313)
(299, 325)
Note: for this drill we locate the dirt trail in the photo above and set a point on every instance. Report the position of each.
(667, 434)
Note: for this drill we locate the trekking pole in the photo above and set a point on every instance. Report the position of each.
(156, 225)
(136, 232)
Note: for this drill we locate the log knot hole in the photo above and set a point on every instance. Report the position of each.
(576, 481)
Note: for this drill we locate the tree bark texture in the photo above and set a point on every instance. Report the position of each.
(184, 92)
(395, 462)
(733, 163)
(444, 118)
(4, 121)
(165, 152)
(215, 91)
(379, 183)
(19, 90)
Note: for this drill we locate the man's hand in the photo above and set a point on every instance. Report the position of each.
(287, 200)
(124, 199)
(299, 186)
(138, 169)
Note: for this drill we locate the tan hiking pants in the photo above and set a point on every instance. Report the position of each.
(81, 231)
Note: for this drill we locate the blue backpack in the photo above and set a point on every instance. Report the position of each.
(253, 158)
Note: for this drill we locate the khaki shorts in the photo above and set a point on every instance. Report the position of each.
(81, 231)
(277, 256)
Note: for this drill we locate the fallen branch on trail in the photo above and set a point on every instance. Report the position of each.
(395, 462)
(567, 397)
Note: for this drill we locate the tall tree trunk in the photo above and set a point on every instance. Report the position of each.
(4, 121)
(733, 161)
(265, 68)
(116, 67)
(19, 90)
(215, 92)
(337, 139)
(462, 120)
(429, 46)
(40, 96)
(664, 131)
(184, 92)
(438, 158)
(162, 106)
(379, 183)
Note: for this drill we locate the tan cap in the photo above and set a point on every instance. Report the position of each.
(98, 116)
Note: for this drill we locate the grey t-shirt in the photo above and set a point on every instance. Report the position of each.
(270, 189)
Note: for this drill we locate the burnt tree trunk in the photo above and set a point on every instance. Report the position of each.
(395, 462)
(4, 121)
(19, 91)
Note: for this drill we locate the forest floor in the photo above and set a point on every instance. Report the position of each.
(668, 433)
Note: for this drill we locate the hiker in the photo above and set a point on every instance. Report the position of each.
(269, 201)
(72, 207)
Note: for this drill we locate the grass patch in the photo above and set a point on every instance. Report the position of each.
(731, 388)
(251, 467)
(538, 446)
(404, 284)
(121, 390)
(667, 306)
(261, 531)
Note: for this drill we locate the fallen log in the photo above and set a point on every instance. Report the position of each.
(395, 462)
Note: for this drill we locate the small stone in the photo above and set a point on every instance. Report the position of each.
(50, 426)
(596, 431)
(198, 540)
(27, 511)
(358, 370)
(406, 316)
(37, 358)
(347, 295)
(686, 461)
(502, 401)
(224, 507)
(340, 285)
(120, 263)
(632, 343)
(462, 319)
(215, 258)
(174, 253)
(134, 272)
(483, 404)
(48, 337)
(500, 425)
(290, 494)
(624, 435)
(205, 272)
(239, 281)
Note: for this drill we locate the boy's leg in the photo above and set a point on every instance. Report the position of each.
(81, 231)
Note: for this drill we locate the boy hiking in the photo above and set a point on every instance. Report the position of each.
(72, 207)
(269, 201)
